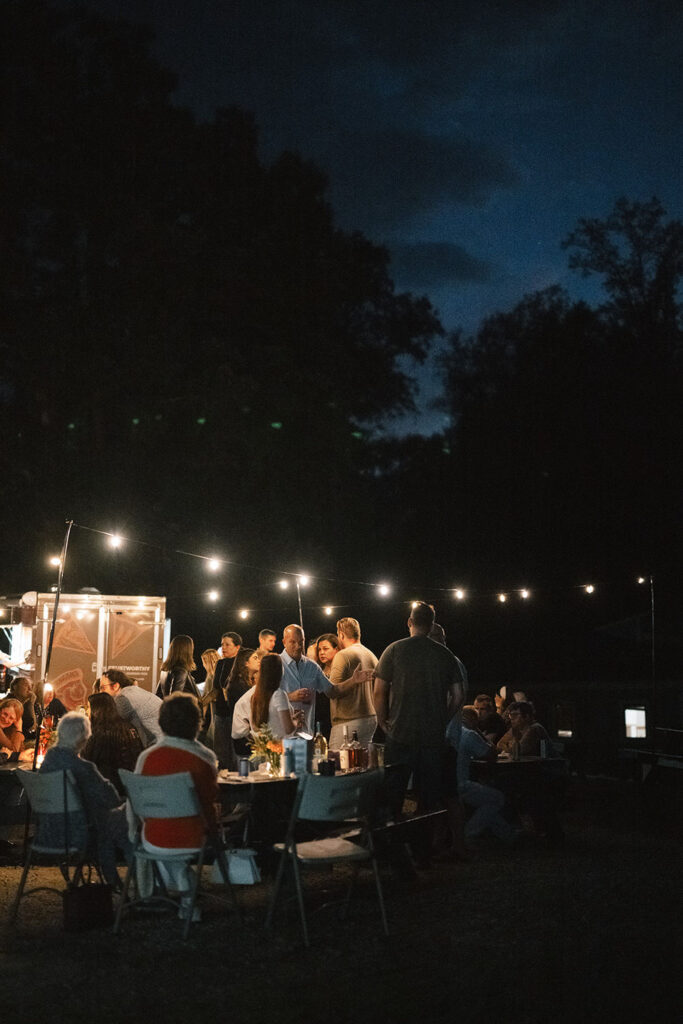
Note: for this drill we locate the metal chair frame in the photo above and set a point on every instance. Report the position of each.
(52, 794)
(342, 799)
(168, 796)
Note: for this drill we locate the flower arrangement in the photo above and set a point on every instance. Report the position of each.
(264, 747)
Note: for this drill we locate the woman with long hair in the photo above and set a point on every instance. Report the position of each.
(179, 665)
(265, 704)
(253, 665)
(11, 736)
(326, 647)
(236, 686)
(112, 744)
(208, 698)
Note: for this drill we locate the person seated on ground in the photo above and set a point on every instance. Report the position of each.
(525, 730)
(486, 801)
(113, 743)
(179, 751)
(265, 704)
(491, 725)
(22, 690)
(11, 736)
(137, 707)
(104, 822)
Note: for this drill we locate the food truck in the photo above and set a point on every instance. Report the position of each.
(93, 632)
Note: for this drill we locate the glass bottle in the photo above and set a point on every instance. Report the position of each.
(355, 753)
(319, 748)
(345, 752)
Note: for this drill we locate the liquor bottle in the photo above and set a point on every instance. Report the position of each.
(319, 748)
(355, 753)
(345, 752)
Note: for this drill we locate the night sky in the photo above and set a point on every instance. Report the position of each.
(467, 136)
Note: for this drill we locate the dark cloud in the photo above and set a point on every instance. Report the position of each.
(383, 178)
(428, 265)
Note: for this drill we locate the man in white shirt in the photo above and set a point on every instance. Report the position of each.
(302, 678)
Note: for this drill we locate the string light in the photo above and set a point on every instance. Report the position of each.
(213, 564)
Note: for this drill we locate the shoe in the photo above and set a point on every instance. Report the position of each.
(184, 910)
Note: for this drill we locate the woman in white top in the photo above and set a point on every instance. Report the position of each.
(265, 704)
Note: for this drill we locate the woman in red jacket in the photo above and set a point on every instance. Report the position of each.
(180, 751)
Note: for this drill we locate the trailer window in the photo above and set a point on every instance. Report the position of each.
(635, 723)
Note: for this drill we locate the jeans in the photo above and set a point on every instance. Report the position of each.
(488, 803)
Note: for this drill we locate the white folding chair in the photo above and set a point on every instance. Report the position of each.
(54, 798)
(348, 799)
(167, 796)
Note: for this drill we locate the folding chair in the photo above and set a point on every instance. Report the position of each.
(54, 799)
(167, 796)
(347, 799)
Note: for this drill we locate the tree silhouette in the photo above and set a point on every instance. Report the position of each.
(640, 257)
(178, 313)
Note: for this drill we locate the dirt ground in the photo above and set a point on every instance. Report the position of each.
(532, 935)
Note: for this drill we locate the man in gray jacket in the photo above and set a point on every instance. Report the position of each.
(138, 707)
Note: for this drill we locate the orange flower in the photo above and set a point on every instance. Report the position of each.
(275, 747)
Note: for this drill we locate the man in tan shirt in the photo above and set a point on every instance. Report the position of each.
(355, 708)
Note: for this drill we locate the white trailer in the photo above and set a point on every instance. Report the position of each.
(93, 632)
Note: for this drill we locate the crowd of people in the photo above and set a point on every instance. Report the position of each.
(411, 700)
